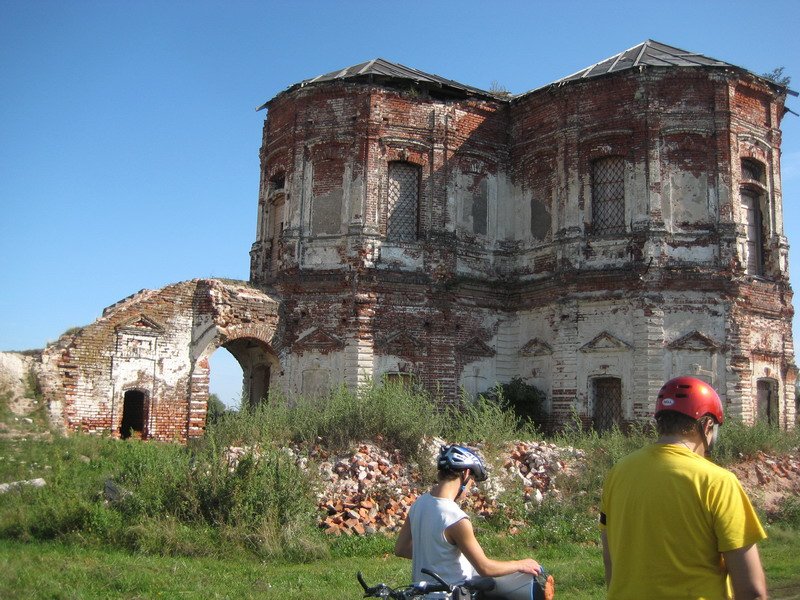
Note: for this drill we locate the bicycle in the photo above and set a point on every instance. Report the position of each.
(517, 586)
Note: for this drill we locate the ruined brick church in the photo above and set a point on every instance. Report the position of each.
(593, 237)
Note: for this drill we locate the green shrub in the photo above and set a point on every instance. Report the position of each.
(527, 401)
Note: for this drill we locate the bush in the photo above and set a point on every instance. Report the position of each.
(527, 401)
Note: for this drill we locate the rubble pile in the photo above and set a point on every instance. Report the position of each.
(775, 466)
(370, 489)
(769, 479)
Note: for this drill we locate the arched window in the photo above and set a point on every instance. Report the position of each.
(402, 203)
(608, 195)
(274, 219)
(753, 194)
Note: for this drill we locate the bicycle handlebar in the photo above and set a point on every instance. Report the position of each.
(447, 586)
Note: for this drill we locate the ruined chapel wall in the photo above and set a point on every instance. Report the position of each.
(156, 342)
(139, 344)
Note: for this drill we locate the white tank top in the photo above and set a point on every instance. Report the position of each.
(429, 517)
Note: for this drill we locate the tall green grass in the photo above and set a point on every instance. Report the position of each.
(187, 500)
(489, 421)
(738, 441)
(398, 416)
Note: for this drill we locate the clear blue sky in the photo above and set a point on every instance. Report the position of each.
(129, 137)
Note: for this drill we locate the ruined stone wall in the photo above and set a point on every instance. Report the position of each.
(154, 343)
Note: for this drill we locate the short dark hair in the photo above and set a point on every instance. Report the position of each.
(447, 474)
(670, 422)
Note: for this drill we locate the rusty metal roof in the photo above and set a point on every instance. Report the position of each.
(646, 54)
(379, 70)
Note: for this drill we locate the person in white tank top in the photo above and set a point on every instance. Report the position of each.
(438, 535)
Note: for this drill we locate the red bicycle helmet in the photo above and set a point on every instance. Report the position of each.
(690, 396)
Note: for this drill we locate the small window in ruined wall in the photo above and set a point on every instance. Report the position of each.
(402, 201)
(404, 380)
(608, 195)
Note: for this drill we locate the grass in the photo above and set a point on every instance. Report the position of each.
(143, 519)
(62, 571)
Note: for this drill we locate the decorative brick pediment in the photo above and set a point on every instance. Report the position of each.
(401, 343)
(694, 340)
(476, 347)
(536, 347)
(138, 338)
(141, 325)
(605, 342)
(318, 340)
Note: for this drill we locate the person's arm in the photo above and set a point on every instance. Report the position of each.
(746, 573)
(462, 535)
(606, 557)
(404, 545)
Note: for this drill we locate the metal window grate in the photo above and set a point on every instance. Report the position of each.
(403, 198)
(607, 404)
(608, 195)
(752, 170)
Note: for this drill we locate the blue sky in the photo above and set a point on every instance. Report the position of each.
(129, 137)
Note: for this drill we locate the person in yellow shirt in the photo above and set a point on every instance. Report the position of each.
(674, 524)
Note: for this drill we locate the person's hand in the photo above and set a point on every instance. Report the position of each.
(529, 566)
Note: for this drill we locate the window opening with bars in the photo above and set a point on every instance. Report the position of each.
(607, 395)
(752, 170)
(402, 201)
(608, 195)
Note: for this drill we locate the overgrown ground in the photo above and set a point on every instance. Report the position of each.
(146, 520)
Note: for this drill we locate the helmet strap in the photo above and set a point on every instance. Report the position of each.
(463, 485)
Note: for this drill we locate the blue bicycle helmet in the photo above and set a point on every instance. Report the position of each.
(460, 458)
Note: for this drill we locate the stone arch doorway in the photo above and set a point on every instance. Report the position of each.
(259, 363)
(135, 413)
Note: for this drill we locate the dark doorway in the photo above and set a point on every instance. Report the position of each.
(134, 415)
(607, 395)
(767, 402)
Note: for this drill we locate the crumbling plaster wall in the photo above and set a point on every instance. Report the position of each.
(505, 208)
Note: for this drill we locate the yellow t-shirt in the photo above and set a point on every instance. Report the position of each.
(669, 513)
